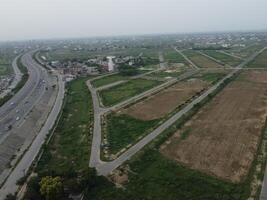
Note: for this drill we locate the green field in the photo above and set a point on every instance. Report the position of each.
(200, 60)
(124, 91)
(211, 77)
(5, 69)
(69, 147)
(154, 177)
(123, 129)
(164, 74)
(172, 56)
(260, 61)
(223, 57)
(107, 80)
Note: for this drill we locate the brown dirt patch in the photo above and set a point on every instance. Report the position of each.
(223, 136)
(166, 101)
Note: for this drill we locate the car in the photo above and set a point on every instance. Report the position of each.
(17, 118)
(12, 103)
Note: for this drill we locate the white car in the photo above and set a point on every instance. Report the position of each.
(17, 118)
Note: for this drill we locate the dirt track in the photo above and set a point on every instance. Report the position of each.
(164, 102)
(221, 139)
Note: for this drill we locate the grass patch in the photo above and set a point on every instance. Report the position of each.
(212, 77)
(200, 60)
(223, 57)
(5, 69)
(108, 80)
(260, 61)
(173, 56)
(124, 91)
(154, 177)
(69, 148)
(124, 129)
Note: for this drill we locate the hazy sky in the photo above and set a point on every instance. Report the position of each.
(32, 19)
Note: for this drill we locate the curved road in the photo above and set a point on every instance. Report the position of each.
(30, 93)
(14, 110)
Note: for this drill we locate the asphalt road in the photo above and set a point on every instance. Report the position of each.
(13, 112)
(26, 161)
(105, 168)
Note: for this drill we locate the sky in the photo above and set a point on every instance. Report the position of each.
(48, 19)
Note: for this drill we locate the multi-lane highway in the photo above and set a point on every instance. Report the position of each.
(16, 113)
(12, 113)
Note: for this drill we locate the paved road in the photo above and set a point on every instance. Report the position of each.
(186, 58)
(27, 159)
(12, 113)
(162, 63)
(104, 168)
(15, 80)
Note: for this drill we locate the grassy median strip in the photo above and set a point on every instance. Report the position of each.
(124, 91)
(68, 151)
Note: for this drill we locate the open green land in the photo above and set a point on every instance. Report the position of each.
(108, 80)
(200, 60)
(211, 77)
(5, 69)
(124, 91)
(68, 150)
(123, 130)
(260, 61)
(152, 176)
(164, 74)
(65, 54)
(172, 56)
(223, 57)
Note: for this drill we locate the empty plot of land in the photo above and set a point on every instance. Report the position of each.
(173, 56)
(174, 70)
(166, 101)
(201, 61)
(108, 80)
(5, 69)
(124, 91)
(221, 139)
(223, 57)
(260, 61)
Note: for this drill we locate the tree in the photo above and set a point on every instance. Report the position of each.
(10, 197)
(51, 187)
(126, 70)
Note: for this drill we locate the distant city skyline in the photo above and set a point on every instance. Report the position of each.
(51, 19)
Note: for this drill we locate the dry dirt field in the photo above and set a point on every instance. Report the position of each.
(204, 62)
(221, 139)
(165, 101)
